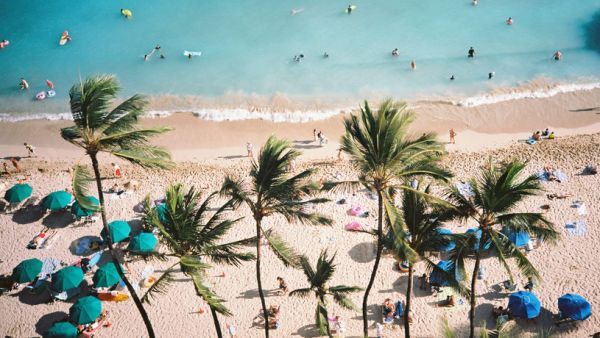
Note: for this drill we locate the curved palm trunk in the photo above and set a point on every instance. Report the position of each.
(216, 321)
(376, 266)
(260, 290)
(473, 282)
(409, 287)
(113, 256)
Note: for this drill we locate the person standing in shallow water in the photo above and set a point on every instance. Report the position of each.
(471, 52)
(452, 136)
(249, 148)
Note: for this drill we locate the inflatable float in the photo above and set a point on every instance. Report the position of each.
(4, 43)
(110, 297)
(64, 38)
(127, 13)
(50, 93)
(188, 53)
(40, 96)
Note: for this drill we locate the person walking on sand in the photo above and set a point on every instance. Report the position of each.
(283, 287)
(315, 135)
(452, 136)
(15, 163)
(116, 169)
(249, 148)
(30, 149)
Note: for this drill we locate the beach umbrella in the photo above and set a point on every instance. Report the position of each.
(161, 210)
(119, 230)
(519, 238)
(18, 193)
(27, 270)
(57, 200)
(61, 330)
(449, 245)
(477, 232)
(144, 242)
(572, 305)
(86, 310)
(80, 211)
(106, 276)
(524, 304)
(437, 278)
(67, 278)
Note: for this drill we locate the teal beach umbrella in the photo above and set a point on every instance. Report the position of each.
(18, 193)
(106, 276)
(119, 230)
(80, 211)
(67, 278)
(57, 200)
(86, 310)
(27, 270)
(61, 330)
(144, 242)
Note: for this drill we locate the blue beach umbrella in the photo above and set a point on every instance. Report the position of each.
(519, 238)
(572, 305)
(18, 193)
(524, 304)
(478, 233)
(437, 278)
(450, 244)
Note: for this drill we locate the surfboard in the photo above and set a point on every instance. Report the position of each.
(63, 41)
(188, 53)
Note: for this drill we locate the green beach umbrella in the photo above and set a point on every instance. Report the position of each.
(144, 242)
(80, 211)
(18, 193)
(67, 278)
(106, 276)
(61, 330)
(161, 210)
(119, 230)
(57, 200)
(86, 310)
(27, 270)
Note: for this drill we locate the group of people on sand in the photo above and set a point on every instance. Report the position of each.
(320, 137)
(538, 135)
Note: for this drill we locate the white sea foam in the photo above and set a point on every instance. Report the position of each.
(16, 117)
(520, 93)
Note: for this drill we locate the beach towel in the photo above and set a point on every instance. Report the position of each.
(562, 177)
(355, 211)
(531, 141)
(443, 294)
(581, 209)
(576, 228)
(465, 189)
(49, 266)
(353, 226)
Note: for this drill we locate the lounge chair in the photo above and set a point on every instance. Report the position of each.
(65, 295)
(93, 328)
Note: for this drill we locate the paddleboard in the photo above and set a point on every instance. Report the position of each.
(188, 53)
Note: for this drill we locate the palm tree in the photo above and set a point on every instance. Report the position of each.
(414, 231)
(383, 152)
(272, 191)
(497, 192)
(193, 237)
(319, 285)
(98, 129)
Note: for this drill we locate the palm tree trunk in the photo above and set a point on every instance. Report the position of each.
(376, 266)
(216, 321)
(113, 256)
(328, 328)
(260, 290)
(408, 294)
(473, 282)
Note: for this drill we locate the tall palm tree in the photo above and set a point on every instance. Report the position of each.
(319, 285)
(414, 232)
(273, 191)
(193, 236)
(381, 149)
(496, 194)
(99, 129)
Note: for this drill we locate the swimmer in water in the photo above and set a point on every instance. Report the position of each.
(4, 43)
(349, 10)
(491, 75)
(509, 21)
(23, 84)
(471, 52)
(146, 57)
(413, 65)
(296, 11)
(452, 78)
(395, 52)
(474, 2)
(190, 56)
(557, 55)
(325, 55)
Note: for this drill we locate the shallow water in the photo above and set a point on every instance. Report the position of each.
(248, 46)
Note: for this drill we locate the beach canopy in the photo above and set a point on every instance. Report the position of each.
(449, 245)
(574, 306)
(27, 270)
(144, 242)
(67, 278)
(119, 230)
(57, 200)
(80, 211)
(86, 310)
(18, 193)
(478, 232)
(61, 330)
(524, 304)
(519, 238)
(106, 276)
(437, 278)
(161, 210)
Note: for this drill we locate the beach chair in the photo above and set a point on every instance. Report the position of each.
(93, 328)
(399, 310)
(508, 286)
(65, 295)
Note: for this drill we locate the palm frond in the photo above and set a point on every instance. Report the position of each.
(146, 156)
(211, 298)
(321, 318)
(344, 301)
(160, 286)
(300, 292)
(81, 187)
(285, 253)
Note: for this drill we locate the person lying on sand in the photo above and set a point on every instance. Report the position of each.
(449, 302)
(283, 287)
(559, 196)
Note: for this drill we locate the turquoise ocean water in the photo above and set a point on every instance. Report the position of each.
(248, 47)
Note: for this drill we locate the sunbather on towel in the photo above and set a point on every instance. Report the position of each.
(559, 196)
(37, 240)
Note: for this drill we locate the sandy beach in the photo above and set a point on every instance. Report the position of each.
(206, 151)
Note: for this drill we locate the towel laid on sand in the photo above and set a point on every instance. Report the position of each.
(576, 228)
